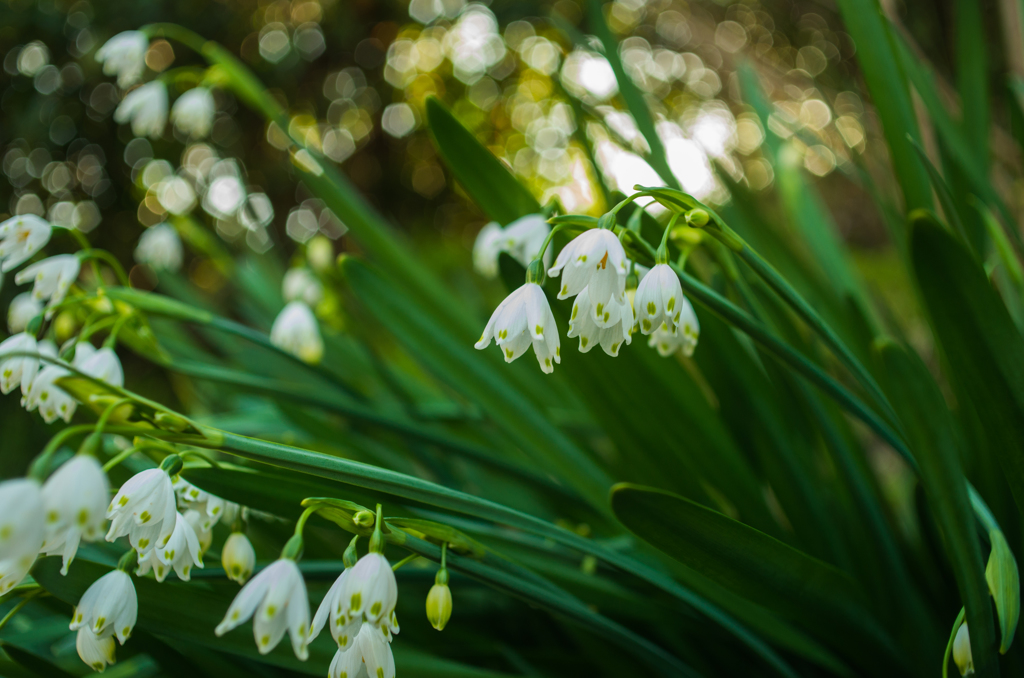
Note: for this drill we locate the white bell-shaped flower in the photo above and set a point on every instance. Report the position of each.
(277, 597)
(22, 236)
(75, 502)
(194, 111)
(18, 370)
(487, 248)
(962, 655)
(200, 523)
(144, 509)
(52, 277)
(617, 316)
(102, 364)
(370, 589)
(524, 237)
(23, 308)
(160, 248)
(347, 663)
(595, 260)
(96, 650)
(124, 55)
(44, 395)
(375, 649)
(659, 299)
(21, 529)
(683, 337)
(238, 558)
(333, 607)
(180, 552)
(301, 284)
(296, 331)
(524, 317)
(110, 604)
(146, 108)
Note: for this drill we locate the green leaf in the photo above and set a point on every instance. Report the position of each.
(932, 439)
(1004, 584)
(825, 600)
(487, 181)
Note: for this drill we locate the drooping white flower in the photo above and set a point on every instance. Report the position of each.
(524, 237)
(193, 112)
(160, 248)
(683, 337)
(180, 553)
(21, 529)
(211, 508)
(375, 649)
(343, 627)
(102, 364)
(52, 277)
(524, 317)
(75, 502)
(22, 236)
(109, 605)
(594, 260)
(23, 308)
(17, 370)
(96, 650)
(369, 590)
(200, 523)
(962, 655)
(238, 558)
(146, 108)
(277, 597)
(53, 402)
(144, 509)
(617, 319)
(296, 331)
(124, 55)
(486, 249)
(659, 299)
(347, 663)
(301, 284)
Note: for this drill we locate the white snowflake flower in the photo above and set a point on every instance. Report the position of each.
(277, 597)
(146, 108)
(200, 523)
(683, 337)
(52, 402)
(296, 331)
(659, 299)
(524, 237)
(145, 510)
(594, 260)
(180, 553)
(21, 529)
(17, 370)
(96, 650)
(375, 649)
(301, 284)
(102, 364)
(370, 589)
(343, 627)
(487, 248)
(193, 112)
(238, 558)
(160, 248)
(124, 55)
(110, 604)
(617, 319)
(52, 277)
(524, 317)
(75, 502)
(24, 307)
(22, 236)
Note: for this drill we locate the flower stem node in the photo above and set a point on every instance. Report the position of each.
(535, 272)
(171, 465)
(293, 548)
(607, 221)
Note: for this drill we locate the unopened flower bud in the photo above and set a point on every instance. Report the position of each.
(606, 221)
(439, 601)
(170, 422)
(172, 465)
(962, 651)
(238, 557)
(363, 518)
(697, 217)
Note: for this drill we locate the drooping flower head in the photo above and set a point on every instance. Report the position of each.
(193, 112)
(52, 277)
(22, 236)
(522, 240)
(18, 370)
(160, 248)
(296, 331)
(524, 318)
(277, 597)
(146, 108)
(238, 558)
(616, 326)
(145, 510)
(683, 337)
(75, 502)
(124, 55)
(96, 650)
(24, 307)
(21, 529)
(109, 605)
(659, 299)
(180, 553)
(487, 248)
(595, 260)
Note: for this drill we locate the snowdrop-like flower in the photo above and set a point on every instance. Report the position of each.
(277, 597)
(96, 650)
(370, 589)
(23, 308)
(296, 331)
(962, 654)
(238, 558)
(193, 112)
(22, 236)
(524, 237)
(683, 337)
(17, 370)
(617, 316)
(180, 553)
(160, 248)
(200, 523)
(375, 649)
(439, 605)
(124, 55)
(54, 403)
(594, 260)
(146, 108)
(109, 605)
(301, 284)
(21, 529)
(659, 299)
(144, 509)
(343, 628)
(52, 277)
(486, 248)
(102, 364)
(524, 317)
(211, 508)
(75, 502)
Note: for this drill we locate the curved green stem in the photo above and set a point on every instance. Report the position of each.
(120, 457)
(17, 608)
(403, 561)
(110, 260)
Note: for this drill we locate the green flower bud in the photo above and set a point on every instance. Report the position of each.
(170, 422)
(172, 465)
(439, 601)
(962, 651)
(697, 217)
(363, 518)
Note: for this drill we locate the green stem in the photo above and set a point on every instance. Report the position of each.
(120, 457)
(403, 561)
(108, 259)
(17, 608)
(300, 524)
